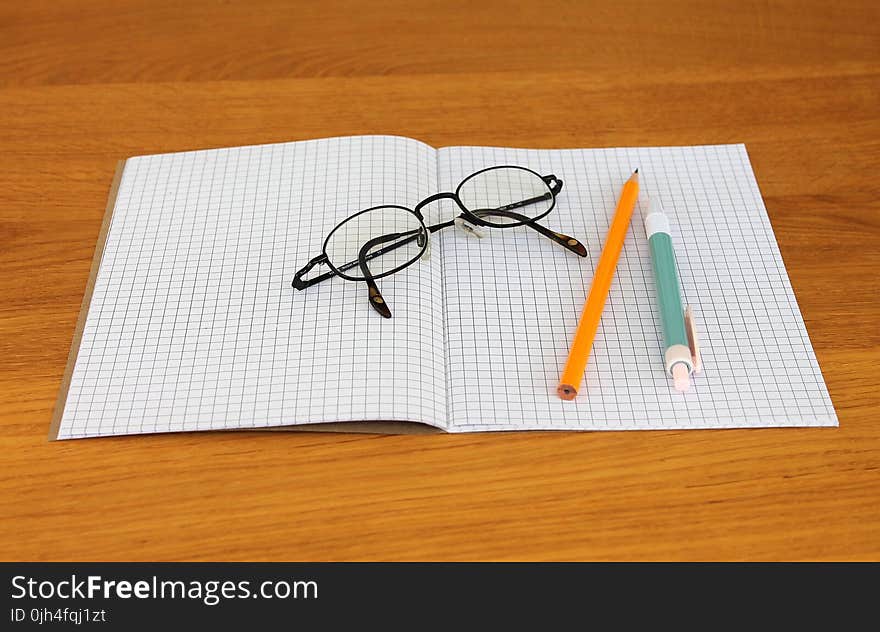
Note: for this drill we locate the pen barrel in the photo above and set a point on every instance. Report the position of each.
(668, 297)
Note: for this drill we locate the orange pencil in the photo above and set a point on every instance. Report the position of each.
(573, 373)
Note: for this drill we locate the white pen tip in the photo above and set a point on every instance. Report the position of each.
(681, 377)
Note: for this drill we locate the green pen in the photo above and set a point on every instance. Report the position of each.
(681, 355)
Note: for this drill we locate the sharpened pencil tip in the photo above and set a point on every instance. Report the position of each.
(637, 170)
(566, 392)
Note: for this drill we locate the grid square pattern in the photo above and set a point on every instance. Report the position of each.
(193, 324)
(513, 300)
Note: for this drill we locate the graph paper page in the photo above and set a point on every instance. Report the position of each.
(193, 324)
(513, 301)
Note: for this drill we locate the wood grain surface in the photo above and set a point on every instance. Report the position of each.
(84, 84)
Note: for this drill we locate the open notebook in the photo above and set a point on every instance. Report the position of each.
(190, 321)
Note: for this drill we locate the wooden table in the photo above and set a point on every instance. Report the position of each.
(85, 84)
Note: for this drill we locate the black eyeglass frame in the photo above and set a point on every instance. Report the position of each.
(554, 186)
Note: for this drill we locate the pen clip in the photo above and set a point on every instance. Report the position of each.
(693, 340)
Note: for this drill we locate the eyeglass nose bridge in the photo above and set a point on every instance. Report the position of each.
(434, 198)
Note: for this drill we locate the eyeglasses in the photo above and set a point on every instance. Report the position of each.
(382, 240)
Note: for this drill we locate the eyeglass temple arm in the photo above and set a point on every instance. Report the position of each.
(376, 298)
(301, 284)
(552, 181)
(555, 184)
(569, 243)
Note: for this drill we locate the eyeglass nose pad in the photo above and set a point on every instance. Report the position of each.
(468, 228)
(424, 241)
